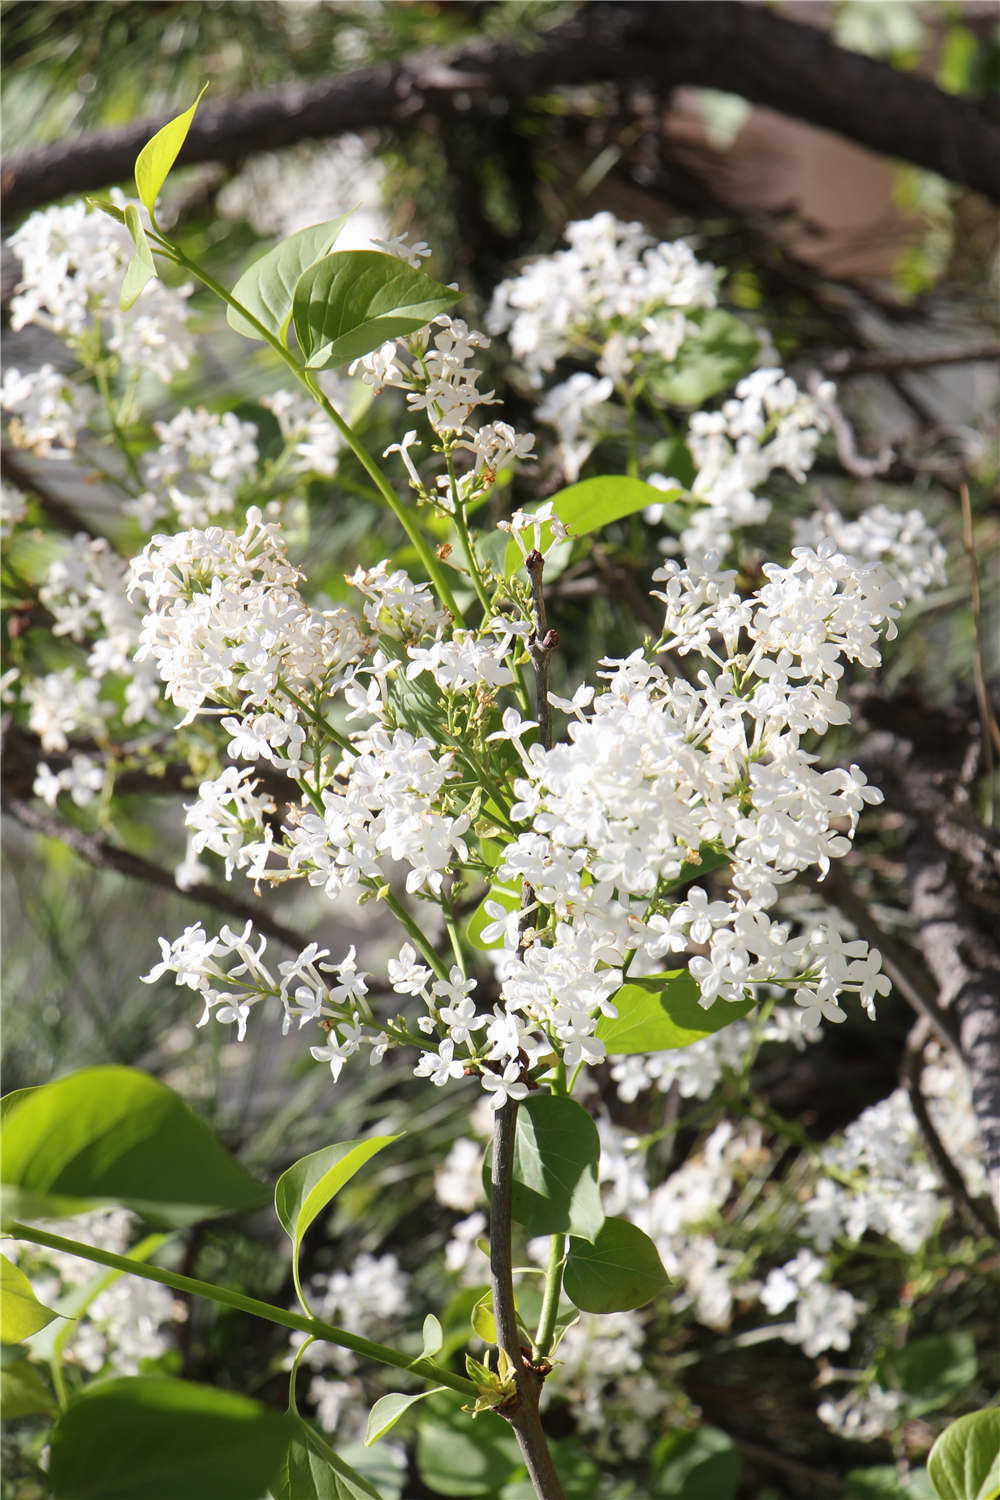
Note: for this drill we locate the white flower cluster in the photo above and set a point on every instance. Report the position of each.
(902, 541)
(368, 1299)
(281, 192)
(614, 286)
(434, 369)
(226, 623)
(198, 465)
(128, 1322)
(47, 410)
(73, 260)
(768, 424)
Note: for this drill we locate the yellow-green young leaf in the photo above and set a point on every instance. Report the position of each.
(433, 1337)
(107, 207)
(141, 268)
(662, 1011)
(483, 1321)
(387, 1411)
(152, 165)
(267, 288)
(591, 505)
(21, 1313)
(307, 1187)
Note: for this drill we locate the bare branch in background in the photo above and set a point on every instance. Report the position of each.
(744, 49)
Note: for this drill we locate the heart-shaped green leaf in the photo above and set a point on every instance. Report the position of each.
(312, 1471)
(161, 1438)
(964, 1463)
(556, 1151)
(620, 1270)
(350, 302)
(115, 1135)
(267, 288)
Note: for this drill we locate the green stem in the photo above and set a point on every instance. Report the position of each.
(383, 1354)
(461, 526)
(426, 948)
(550, 1298)
(305, 377)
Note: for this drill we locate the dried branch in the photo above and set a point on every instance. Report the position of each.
(848, 362)
(766, 58)
(104, 855)
(979, 1217)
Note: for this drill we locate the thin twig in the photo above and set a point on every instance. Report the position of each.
(104, 855)
(847, 362)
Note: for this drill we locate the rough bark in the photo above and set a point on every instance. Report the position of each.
(743, 48)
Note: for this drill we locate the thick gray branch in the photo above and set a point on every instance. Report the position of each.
(728, 44)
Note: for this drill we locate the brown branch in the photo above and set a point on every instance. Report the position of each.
(847, 362)
(104, 855)
(966, 966)
(979, 1217)
(745, 49)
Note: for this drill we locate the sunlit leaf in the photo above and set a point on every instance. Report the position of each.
(267, 288)
(152, 165)
(350, 302)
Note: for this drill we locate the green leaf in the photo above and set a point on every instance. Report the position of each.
(115, 1135)
(462, 1457)
(349, 303)
(267, 288)
(21, 1313)
(141, 268)
(105, 206)
(662, 1011)
(387, 1411)
(556, 1151)
(315, 1180)
(482, 1319)
(930, 1371)
(433, 1337)
(882, 1482)
(700, 1465)
(154, 161)
(591, 505)
(964, 1463)
(620, 1270)
(312, 1471)
(721, 353)
(161, 1439)
(23, 1392)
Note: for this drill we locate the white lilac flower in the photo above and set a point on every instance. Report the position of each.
(72, 263)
